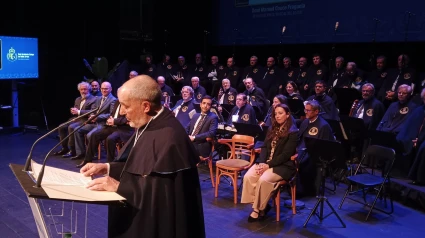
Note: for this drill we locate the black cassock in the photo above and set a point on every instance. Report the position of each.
(395, 116)
(160, 183)
(373, 111)
(327, 106)
(246, 115)
(413, 128)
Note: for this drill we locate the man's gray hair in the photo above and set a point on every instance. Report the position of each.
(189, 88)
(407, 87)
(313, 104)
(225, 80)
(369, 85)
(84, 83)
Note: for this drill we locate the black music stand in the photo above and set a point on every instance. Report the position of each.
(345, 98)
(327, 153)
(250, 129)
(197, 107)
(225, 110)
(296, 106)
(384, 138)
(354, 128)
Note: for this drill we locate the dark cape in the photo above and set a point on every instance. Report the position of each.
(160, 183)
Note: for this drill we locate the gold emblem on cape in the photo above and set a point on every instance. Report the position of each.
(255, 71)
(199, 96)
(290, 74)
(169, 66)
(271, 71)
(404, 110)
(235, 73)
(319, 72)
(407, 76)
(358, 80)
(164, 94)
(253, 98)
(369, 112)
(184, 108)
(303, 74)
(245, 117)
(294, 98)
(184, 67)
(313, 131)
(230, 98)
(201, 69)
(150, 69)
(221, 67)
(384, 74)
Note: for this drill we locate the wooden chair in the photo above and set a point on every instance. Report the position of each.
(209, 160)
(240, 145)
(293, 185)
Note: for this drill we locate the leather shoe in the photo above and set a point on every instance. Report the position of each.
(82, 164)
(253, 219)
(68, 155)
(61, 152)
(78, 157)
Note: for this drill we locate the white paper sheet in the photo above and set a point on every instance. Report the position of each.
(69, 185)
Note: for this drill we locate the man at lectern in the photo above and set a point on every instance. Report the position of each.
(155, 171)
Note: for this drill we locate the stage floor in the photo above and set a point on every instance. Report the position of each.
(222, 217)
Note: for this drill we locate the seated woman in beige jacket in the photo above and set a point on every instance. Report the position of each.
(274, 164)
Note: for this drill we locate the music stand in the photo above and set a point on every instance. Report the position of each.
(197, 107)
(384, 138)
(326, 153)
(296, 106)
(249, 129)
(226, 109)
(345, 98)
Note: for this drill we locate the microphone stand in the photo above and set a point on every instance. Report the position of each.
(41, 173)
(331, 60)
(280, 56)
(205, 45)
(406, 33)
(27, 162)
(235, 34)
(165, 41)
(372, 55)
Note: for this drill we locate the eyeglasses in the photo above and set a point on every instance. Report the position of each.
(402, 93)
(307, 110)
(104, 88)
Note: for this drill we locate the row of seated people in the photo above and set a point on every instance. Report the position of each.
(369, 109)
(105, 123)
(272, 78)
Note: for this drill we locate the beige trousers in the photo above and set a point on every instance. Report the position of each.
(257, 189)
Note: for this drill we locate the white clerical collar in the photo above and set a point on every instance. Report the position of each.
(314, 119)
(159, 112)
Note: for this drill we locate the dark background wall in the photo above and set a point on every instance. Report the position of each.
(119, 30)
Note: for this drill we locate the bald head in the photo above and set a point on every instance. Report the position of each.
(142, 88)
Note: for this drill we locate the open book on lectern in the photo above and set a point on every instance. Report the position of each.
(69, 185)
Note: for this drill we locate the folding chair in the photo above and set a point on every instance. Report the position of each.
(376, 156)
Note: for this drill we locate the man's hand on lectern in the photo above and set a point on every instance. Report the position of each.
(92, 169)
(104, 184)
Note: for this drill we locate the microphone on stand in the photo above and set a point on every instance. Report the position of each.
(41, 173)
(27, 162)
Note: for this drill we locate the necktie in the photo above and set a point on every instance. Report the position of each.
(101, 102)
(199, 125)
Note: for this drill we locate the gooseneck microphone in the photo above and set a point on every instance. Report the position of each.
(27, 162)
(41, 173)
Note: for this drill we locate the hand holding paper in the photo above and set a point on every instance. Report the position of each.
(104, 184)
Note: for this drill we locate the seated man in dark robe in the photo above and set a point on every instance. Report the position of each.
(198, 90)
(226, 94)
(256, 98)
(202, 126)
(412, 137)
(159, 180)
(166, 90)
(370, 109)
(242, 112)
(185, 107)
(398, 111)
(316, 127)
(327, 106)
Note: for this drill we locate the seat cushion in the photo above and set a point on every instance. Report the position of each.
(366, 179)
(233, 163)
